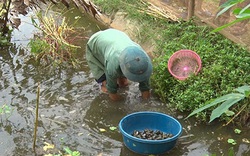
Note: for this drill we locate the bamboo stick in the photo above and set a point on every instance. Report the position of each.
(36, 120)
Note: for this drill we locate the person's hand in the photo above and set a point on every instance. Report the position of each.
(145, 94)
(103, 87)
(115, 96)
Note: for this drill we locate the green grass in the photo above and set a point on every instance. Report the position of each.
(225, 65)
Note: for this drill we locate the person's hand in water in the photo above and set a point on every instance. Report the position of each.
(145, 95)
(115, 96)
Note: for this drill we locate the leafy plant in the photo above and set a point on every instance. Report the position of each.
(226, 100)
(237, 131)
(68, 151)
(241, 14)
(5, 38)
(112, 128)
(72, 153)
(231, 141)
(55, 43)
(6, 110)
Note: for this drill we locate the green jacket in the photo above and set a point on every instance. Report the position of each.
(102, 54)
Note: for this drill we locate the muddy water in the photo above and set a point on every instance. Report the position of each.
(72, 110)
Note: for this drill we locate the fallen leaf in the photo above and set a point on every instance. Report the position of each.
(73, 111)
(102, 130)
(112, 128)
(48, 146)
(245, 140)
(62, 99)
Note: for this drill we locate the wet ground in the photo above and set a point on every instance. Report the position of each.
(73, 112)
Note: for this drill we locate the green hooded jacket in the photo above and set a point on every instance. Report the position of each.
(102, 54)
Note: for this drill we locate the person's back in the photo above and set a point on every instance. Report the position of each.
(107, 54)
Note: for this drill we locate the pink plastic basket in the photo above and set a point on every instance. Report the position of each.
(184, 63)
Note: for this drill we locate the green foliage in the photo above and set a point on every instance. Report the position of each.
(5, 37)
(71, 153)
(241, 14)
(226, 100)
(4, 40)
(225, 66)
(38, 45)
(6, 110)
(231, 141)
(231, 151)
(54, 43)
(237, 131)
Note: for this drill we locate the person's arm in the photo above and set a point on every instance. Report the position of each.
(144, 87)
(96, 67)
(112, 87)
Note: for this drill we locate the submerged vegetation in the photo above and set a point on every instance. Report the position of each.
(225, 65)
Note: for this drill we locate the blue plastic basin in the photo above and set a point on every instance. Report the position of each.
(149, 120)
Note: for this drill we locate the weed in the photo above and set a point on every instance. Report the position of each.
(71, 153)
(6, 110)
(54, 44)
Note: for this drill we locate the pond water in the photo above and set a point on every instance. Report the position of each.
(72, 110)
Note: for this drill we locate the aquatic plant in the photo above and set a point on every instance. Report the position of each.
(51, 149)
(6, 110)
(54, 44)
(71, 153)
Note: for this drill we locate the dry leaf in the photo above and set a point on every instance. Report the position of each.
(48, 146)
(102, 130)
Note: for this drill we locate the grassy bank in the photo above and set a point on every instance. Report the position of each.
(225, 65)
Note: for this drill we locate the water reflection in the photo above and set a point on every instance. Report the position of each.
(72, 110)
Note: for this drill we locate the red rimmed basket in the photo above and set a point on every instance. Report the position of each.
(183, 63)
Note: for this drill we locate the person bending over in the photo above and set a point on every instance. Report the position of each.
(113, 59)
